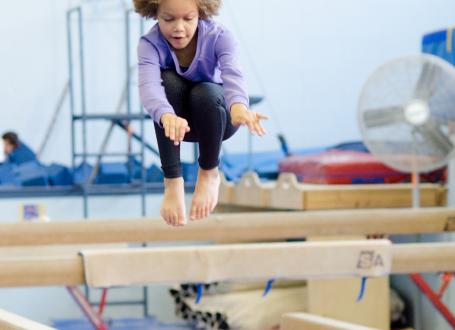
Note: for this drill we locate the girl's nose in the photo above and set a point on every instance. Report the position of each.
(178, 26)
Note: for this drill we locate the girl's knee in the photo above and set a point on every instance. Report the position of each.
(206, 94)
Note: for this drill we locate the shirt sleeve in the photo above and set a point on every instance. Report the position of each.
(151, 90)
(231, 74)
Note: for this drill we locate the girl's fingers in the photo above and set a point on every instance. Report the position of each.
(175, 129)
(177, 132)
(172, 130)
(182, 132)
(252, 121)
(259, 129)
(166, 129)
(254, 125)
(250, 125)
(262, 130)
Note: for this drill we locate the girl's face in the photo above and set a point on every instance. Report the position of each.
(178, 21)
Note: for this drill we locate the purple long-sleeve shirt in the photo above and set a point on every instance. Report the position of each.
(215, 61)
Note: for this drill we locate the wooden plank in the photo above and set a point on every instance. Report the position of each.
(226, 192)
(44, 265)
(371, 196)
(42, 271)
(423, 257)
(10, 321)
(249, 191)
(303, 321)
(234, 227)
(337, 298)
(49, 270)
(235, 262)
(16, 252)
(288, 193)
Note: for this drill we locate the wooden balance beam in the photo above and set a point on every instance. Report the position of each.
(287, 193)
(165, 265)
(303, 321)
(234, 227)
(10, 321)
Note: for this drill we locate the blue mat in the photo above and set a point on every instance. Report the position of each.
(149, 323)
(31, 174)
(436, 43)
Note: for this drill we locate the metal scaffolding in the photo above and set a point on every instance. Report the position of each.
(81, 115)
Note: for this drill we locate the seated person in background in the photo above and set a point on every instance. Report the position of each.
(16, 152)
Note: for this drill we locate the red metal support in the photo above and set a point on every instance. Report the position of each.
(446, 279)
(86, 308)
(102, 302)
(434, 298)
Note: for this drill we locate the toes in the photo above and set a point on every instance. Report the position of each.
(200, 212)
(174, 216)
(193, 212)
(173, 219)
(166, 217)
(208, 210)
(205, 211)
(197, 212)
(181, 219)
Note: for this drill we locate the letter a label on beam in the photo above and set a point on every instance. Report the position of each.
(373, 262)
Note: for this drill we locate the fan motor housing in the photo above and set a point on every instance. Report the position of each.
(417, 112)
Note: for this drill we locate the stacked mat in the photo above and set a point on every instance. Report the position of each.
(149, 323)
(36, 174)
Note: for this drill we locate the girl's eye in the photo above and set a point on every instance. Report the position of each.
(189, 19)
(167, 19)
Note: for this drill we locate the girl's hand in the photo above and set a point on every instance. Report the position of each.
(240, 115)
(175, 127)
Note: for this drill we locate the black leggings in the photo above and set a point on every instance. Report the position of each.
(202, 105)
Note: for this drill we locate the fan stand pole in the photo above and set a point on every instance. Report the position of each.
(415, 181)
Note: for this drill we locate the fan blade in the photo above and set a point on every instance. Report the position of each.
(383, 116)
(433, 134)
(426, 84)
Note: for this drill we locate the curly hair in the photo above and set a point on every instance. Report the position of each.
(149, 8)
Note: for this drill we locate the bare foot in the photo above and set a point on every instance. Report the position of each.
(205, 195)
(173, 205)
